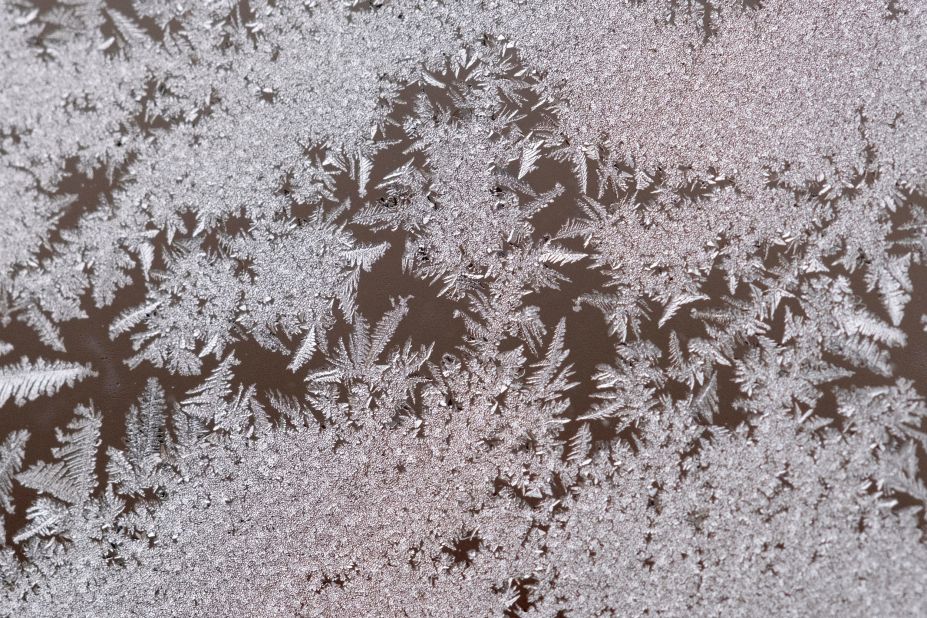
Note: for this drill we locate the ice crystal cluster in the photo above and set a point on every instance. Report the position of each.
(436, 308)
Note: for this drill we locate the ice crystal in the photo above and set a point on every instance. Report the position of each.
(391, 308)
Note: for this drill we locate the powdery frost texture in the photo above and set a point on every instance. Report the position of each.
(395, 308)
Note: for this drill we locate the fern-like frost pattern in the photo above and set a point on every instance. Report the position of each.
(391, 308)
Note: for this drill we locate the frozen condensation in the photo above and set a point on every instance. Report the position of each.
(433, 308)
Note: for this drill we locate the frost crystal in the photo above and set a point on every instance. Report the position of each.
(391, 308)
